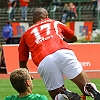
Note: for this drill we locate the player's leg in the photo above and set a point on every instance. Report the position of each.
(74, 71)
(51, 75)
(86, 87)
(81, 80)
(51, 70)
(61, 97)
(54, 93)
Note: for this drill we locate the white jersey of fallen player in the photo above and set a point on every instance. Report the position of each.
(61, 97)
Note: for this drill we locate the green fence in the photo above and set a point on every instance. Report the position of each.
(79, 7)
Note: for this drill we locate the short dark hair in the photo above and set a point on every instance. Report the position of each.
(8, 22)
(18, 78)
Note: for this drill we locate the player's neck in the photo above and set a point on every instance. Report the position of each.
(23, 94)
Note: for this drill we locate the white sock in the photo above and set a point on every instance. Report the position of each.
(61, 97)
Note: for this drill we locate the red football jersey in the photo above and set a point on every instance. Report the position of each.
(23, 3)
(43, 38)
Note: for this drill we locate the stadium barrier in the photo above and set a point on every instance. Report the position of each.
(87, 53)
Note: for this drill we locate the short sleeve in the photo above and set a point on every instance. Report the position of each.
(43, 97)
(12, 97)
(39, 97)
(66, 31)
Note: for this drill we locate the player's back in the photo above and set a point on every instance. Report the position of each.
(44, 38)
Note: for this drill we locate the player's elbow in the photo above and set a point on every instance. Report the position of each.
(71, 40)
(74, 38)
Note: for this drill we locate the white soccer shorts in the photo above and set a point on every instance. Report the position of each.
(54, 66)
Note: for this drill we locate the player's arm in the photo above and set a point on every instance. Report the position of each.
(23, 53)
(71, 40)
(23, 64)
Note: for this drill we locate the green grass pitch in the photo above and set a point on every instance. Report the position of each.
(6, 88)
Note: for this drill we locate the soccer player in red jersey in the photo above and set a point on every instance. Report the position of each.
(47, 41)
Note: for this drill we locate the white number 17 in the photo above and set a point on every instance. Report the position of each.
(35, 31)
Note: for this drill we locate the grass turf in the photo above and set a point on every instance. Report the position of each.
(6, 88)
